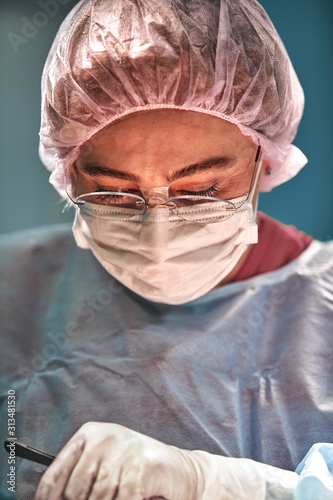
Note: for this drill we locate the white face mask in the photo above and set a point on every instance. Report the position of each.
(164, 258)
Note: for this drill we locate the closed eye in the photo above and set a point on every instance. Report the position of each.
(212, 191)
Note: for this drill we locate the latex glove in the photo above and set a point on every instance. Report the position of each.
(104, 461)
(224, 478)
(316, 474)
(109, 461)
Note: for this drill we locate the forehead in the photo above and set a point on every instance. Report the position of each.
(168, 131)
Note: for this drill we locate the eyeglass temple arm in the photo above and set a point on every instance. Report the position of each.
(255, 173)
(78, 202)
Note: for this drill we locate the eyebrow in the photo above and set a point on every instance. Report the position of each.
(218, 161)
(95, 170)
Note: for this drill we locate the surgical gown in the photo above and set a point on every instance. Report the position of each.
(244, 371)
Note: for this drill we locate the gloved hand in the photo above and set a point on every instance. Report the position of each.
(104, 461)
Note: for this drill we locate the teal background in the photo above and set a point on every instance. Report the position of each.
(27, 199)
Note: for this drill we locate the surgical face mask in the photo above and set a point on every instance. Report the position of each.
(163, 257)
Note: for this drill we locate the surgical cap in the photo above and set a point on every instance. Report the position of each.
(224, 58)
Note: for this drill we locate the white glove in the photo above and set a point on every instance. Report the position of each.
(104, 461)
(223, 478)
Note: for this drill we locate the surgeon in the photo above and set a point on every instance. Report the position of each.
(175, 343)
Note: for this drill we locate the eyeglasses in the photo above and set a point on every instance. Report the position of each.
(114, 205)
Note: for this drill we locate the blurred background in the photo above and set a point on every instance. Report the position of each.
(27, 31)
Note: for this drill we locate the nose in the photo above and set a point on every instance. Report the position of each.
(154, 239)
(154, 229)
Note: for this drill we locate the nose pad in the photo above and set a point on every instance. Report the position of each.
(155, 196)
(154, 233)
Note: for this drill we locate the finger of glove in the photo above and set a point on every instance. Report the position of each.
(130, 484)
(55, 478)
(107, 481)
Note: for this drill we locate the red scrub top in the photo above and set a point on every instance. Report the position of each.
(278, 245)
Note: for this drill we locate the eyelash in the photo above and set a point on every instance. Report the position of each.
(213, 191)
(100, 188)
(102, 197)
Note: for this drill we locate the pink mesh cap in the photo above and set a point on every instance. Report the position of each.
(220, 57)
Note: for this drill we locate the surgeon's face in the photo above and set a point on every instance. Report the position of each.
(189, 152)
(186, 151)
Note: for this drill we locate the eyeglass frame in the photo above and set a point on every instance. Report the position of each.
(147, 205)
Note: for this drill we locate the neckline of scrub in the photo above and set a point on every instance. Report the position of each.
(267, 278)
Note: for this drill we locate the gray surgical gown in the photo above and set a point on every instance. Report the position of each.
(244, 371)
